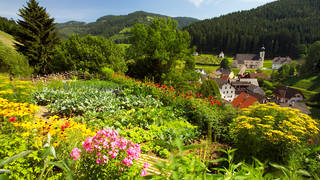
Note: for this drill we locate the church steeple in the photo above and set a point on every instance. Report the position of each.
(262, 52)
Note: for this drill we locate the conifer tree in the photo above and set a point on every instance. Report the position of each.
(36, 36)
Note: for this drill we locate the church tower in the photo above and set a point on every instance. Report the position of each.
(262, 53)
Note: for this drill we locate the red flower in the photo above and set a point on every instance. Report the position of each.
(173, 97)
(67, 124)
(187, 94)
(211, 97)
(218, 102)
(211, 102)
(309, 140)
(198, 95)
(190, 93)
(63, 127)
(12, 119)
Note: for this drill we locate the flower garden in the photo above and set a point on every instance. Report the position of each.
(100, 129)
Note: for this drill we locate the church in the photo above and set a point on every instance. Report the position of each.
(251, 61)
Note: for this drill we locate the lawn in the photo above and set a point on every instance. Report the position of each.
(309, 83)
(267, 64)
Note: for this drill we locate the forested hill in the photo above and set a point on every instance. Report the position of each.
(111, 25)
(282, 26)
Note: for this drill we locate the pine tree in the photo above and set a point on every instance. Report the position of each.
(37, 36)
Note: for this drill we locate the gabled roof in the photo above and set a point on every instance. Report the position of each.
(261, 75)
(255, 89)
(244, 100)
(281, 60)
(224, 71)
(286, 92)
(220, 82)
(242, 57)
(250, 80)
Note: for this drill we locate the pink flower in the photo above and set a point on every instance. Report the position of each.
(87, 144)
(114, 155)
(143, 173)
(127, 161)
(131, 151)
(98, 161)
(75, 154)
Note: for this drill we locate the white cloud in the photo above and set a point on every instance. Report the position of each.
(197, 3)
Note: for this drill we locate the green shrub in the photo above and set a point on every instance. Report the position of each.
(12, 62)
(107, 73)
(88, 53)
(210, 88)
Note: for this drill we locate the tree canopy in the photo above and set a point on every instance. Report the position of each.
(88, 53)
(36, 36)
(158, 48)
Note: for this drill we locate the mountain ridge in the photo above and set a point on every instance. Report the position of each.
(110, 25)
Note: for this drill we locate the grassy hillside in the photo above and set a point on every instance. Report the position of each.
(6, 39)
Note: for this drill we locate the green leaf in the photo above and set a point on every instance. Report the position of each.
(303, 172)
(218, 160)
(9, 160)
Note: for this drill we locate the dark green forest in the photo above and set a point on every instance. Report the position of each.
(111, 25)
(8, 25)
(285, 27)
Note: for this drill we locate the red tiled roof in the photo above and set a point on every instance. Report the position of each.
(244, 100)
(262, 75)
(224, 77)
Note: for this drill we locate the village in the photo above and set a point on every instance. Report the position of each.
(243, 90)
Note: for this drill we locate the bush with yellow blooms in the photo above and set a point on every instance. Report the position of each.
(270, 132)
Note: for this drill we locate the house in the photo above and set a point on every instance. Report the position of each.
(227, 72)
(251, 61)
(260, 75)
(285, 94)
(221, 55)
(227, 91)
(261, 98)
(221, 72)
(242, 85)
(280, 61)
(255, 89)
(243, 100)
(250, 80)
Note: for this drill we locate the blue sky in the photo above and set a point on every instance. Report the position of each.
(90, 10)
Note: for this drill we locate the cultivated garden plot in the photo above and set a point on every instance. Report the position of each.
(102, 129)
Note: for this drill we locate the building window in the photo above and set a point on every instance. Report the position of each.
(227, 92)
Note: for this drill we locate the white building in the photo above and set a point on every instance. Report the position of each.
(227, 91)
(280, 61)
